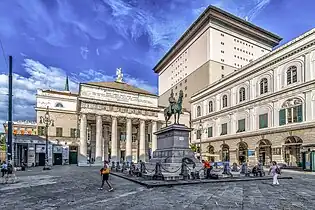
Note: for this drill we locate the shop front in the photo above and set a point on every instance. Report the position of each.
(308, 157)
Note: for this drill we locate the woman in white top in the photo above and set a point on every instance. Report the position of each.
(275, 171)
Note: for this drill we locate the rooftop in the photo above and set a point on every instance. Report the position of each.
(66, 93)
(209, 12)
(120, 86)
(255, 63)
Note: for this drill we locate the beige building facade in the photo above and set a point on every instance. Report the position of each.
(264, 111)
(215, 45)
(104, 121)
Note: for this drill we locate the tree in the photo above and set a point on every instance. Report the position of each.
(193, 147)
(2, 139)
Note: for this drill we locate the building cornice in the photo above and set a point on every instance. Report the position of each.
(268, 131)
(72, 99)
(151, 95)
(271, 96)
(215, 13)
(88, 100)
(246, 71)
(55, 110)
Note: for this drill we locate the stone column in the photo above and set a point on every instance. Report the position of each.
(114, 154)
(154, 137)
(98, 144)
(129, 140)
(83, 141)
(93, 141)
(106, 140)
(142, 150)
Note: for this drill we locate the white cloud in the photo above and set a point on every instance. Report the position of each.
(47, 77)
(84, 52)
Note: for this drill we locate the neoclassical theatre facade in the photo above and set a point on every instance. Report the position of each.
(263, 111)
(103, 121)
(118, 120)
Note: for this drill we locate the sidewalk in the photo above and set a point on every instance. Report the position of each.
(297, 172)
(290, 171)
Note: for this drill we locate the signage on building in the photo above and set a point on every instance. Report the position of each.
(251, 153)
(57, 149)
(115, 96)
(65, 152)
(40, 148)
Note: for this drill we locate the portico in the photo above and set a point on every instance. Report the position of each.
(116, 122)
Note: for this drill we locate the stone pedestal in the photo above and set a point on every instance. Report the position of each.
(172, 147)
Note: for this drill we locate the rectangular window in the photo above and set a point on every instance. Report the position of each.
(74, 133)
(224, 129)
(41, 131)
(198, 134)
(58, 132)
(222, 67)
(289, 112)
(294, 114)
(134, 137)
(263, 121)
(210, 132)
(299, 114)
(282, 117)
(241, 125)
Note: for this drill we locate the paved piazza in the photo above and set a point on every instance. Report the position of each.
(71, 187)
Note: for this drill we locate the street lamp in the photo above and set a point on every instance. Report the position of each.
(200, 130)
(48, 122)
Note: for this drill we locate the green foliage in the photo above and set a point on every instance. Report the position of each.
(2, 139)
(193, 147)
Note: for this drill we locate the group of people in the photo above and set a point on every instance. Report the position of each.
(257, 170)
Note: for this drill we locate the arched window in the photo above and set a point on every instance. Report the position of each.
(210, 106)
(263, 86)
(291, 75)
(291, 112)
(224, 101)
(59, 105)
(242, 94)
(198, 111)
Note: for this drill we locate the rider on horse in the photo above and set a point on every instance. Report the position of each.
(172, 102)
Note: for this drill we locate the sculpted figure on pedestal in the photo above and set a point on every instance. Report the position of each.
(174, 108)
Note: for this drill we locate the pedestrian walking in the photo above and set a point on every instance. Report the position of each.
(275, 171)
(105, 175)
(4, 168)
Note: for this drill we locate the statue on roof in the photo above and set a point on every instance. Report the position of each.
(119, 75)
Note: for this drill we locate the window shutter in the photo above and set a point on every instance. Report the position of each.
(261, 123)
(282, 117)
(299, 113)
(209, 131)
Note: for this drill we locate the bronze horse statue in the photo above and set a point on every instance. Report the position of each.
(174, 109)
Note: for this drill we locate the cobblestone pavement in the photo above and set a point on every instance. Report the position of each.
(71, 187)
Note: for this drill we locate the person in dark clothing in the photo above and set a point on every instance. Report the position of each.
(105, 175)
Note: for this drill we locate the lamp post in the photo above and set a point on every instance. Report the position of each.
(201, 130)
(48, 122)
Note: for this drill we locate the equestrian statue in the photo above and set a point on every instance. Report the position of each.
(174, 108)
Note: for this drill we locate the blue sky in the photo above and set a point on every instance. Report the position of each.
(88, 39)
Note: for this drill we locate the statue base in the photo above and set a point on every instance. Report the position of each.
(172, 147)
